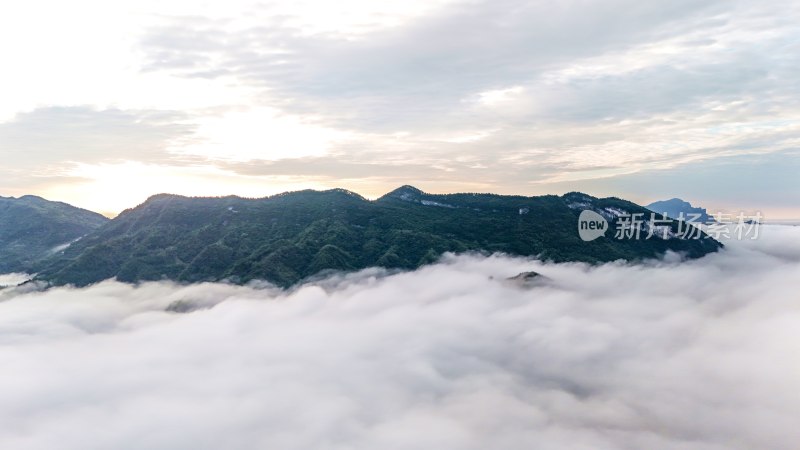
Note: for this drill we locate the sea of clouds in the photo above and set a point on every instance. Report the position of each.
(694, 355)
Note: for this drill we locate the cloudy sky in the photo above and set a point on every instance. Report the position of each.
(105, 103)
(699, 355)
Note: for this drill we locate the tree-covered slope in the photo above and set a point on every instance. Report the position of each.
(32, 228)
(288, 237)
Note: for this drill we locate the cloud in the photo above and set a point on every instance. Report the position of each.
(761, 182)
(13, 279)
(50, 150)
(575, 62)
(505, 96)
(695, 355)
(405, 75)
(571, 92)
(48, 140)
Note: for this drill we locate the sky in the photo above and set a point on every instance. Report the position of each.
(106, 103)
(693, 355)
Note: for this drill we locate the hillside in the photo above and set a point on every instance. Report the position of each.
(288, 237)
(32, 228)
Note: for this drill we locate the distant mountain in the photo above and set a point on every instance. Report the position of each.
(291, 236)
(675, 207)
(32, 228)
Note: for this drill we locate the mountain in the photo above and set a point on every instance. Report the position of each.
(288, 237)
(673, 208)
(32, 228)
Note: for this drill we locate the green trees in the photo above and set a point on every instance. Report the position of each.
(32, 228)
(286, 238)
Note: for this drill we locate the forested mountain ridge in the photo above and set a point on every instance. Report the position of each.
(288, 237)
(32, 228)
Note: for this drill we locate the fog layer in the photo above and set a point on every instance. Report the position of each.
(695, 355)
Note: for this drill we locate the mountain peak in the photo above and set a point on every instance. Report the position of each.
(407, 188)
(346, 192)
(675, 207)
(575, 195)
(405, 192)
(674, 201)
(163, 196)
(31, 197)
(32, 228)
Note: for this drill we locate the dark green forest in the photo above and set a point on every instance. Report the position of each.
(289, 237)
(32, 228)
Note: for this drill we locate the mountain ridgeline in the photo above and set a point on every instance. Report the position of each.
(32, 228)
(289, 237)
(677, 208)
